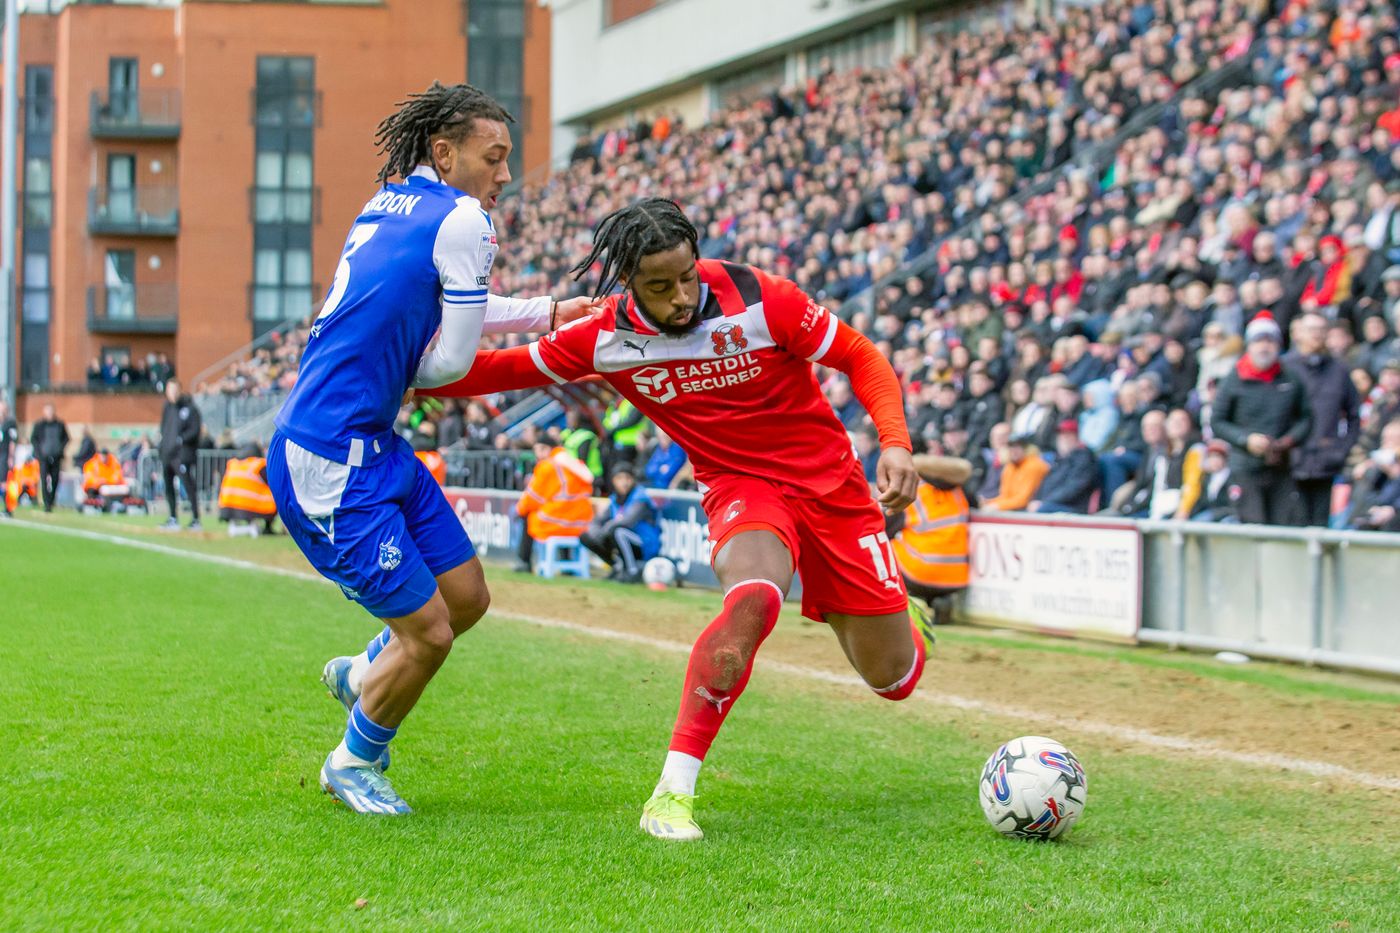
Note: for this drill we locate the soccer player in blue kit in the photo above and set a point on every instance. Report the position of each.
(407, 309)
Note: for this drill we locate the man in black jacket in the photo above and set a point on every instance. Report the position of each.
(180, 423)
(1261, 410)
(1073, 476)
(50, 439)
(9, 438)
(1335, 423)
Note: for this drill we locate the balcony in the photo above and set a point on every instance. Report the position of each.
(135, 114)
(149, 210)
(143, 308)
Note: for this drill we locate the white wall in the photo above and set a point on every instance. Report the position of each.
(594, 68)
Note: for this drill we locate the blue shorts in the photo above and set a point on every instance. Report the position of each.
(382, 531)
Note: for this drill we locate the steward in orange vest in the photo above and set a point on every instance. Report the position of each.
(435, 464)
(557, 502)
(103, 469)
(244, 495)
(931, 547)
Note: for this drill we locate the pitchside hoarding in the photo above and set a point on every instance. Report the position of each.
(489, 517)
(1062, 576)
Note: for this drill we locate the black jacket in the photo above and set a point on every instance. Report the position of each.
(50, 439)
(9, 437)
(180, 423)
(983, 413)
(1072, 480)
(1335, 423)
(1277, 408)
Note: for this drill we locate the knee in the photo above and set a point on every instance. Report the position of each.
(891, 676)
(465, 612)
(432, 642)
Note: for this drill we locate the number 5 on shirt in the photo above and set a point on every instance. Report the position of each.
(359, 236)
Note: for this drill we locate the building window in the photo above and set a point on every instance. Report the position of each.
(121, 89)
(35, 302)
(286, 92)
(869, 48)
(749, 85)
(119, 275)
(38, 100)
(496, 58)
(38, 192)
(283, 195)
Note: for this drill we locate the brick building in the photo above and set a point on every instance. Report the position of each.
(188, 169)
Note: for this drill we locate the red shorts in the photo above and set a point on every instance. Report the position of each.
(838, 542)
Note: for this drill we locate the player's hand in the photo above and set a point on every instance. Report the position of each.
(896, 479)
(572, 309)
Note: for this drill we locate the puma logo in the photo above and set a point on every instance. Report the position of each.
(640, 348)
(717, 702)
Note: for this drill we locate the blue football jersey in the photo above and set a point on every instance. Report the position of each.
(416, 249)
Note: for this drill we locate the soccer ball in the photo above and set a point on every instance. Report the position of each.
(1033, 788)
(659, 573)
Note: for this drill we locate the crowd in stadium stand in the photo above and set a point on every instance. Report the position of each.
(1116, 303)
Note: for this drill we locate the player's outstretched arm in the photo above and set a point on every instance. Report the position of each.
(496, 371)
(534, 315)
(877, 387)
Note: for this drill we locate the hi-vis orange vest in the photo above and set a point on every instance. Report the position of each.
(932, 548)
(243, 488)
(12, 490)
(435, 464)
(102, 471)
(556, 502)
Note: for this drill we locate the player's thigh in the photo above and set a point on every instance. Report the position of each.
(846, 561)
(880, 648)
(754, 554)
(753, 529)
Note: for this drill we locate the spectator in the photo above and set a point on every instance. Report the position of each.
(622, 428)
(1073, 477)
(986, 482)
(1031, 418)
(984, 406)
(1021, 476)
(867, 450)
(1099, 420)
(1176, 470)
(580, 441)
(476, 431)
(1217, 496)
(49, 438)
(843, 401)
(626, 536)
(451, 426)
(180, 429)
(1126, 448)
(664, 464)
(9, 440)
(87, 448)
(1262, 411)
(1133, 496)
(1377, 505)
(556, 502)
(1336, 425)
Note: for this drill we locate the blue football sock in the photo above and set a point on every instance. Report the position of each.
(377, 643)
(365, 738)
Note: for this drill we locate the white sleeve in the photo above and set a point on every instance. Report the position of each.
(517, 315)
(463, 252)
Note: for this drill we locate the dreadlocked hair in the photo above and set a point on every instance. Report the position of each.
(405, 137)
(623, 238)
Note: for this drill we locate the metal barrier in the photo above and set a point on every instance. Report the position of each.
(488, 469)
(208, 474)
(1309, 595)
(221, 411)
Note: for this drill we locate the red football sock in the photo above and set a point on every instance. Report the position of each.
(714, 679)
(902, 688)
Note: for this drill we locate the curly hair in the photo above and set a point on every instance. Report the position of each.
(405, 137)
(625, 237)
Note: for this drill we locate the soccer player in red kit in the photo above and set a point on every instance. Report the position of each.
(720, 356)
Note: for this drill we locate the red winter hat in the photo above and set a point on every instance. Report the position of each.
(1068, 426)
(1263, 327)
(1068, 232)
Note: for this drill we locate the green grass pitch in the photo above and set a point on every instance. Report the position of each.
(163, 726)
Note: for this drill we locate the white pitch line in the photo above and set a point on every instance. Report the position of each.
(1198, 747)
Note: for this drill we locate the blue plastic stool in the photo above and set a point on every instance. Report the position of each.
(563, 555)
